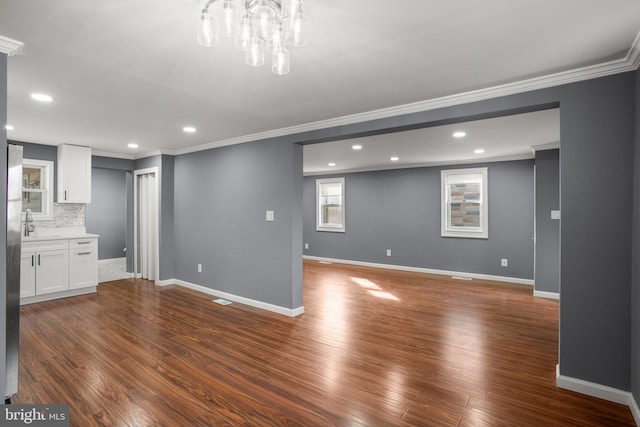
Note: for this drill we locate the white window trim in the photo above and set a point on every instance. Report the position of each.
(47, 186)
(319, 225)
(481, 232)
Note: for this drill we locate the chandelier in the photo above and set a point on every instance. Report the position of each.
(257, 26)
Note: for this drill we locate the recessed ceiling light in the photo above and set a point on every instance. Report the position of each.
(9, 127)
(478, 151)
(459, 134)
(132, 145)
(394, 158)
(41, 97)
(189, 129)
(356, 147)
(332, 164)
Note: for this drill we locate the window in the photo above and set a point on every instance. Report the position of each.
(37, 188)
(464, 203)
(330, 204)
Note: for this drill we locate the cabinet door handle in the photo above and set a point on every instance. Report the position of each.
(83, 243)
(65, 194)
(33, 260)
(84, 253)
(38, 259)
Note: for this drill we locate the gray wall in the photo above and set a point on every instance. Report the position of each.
(106, 214)
(400, 210)
(221, 197)
(547, 267)
(3, 218)
(635, 293)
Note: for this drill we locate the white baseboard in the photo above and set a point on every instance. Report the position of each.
(517, 280)
(635, 411)
(58, 295)
(235, 298)
(548, 295)
(593, 389)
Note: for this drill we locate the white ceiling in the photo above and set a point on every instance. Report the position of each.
(502, 138)
(125, 71)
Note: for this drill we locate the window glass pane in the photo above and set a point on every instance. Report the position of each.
(32, 200)
(32, 178)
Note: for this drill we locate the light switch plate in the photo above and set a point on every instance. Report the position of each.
(270, 216)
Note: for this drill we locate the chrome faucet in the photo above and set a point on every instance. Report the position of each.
(28, 223)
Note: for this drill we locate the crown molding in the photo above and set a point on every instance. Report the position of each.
(542, 147)
(630, 62)
(112, 155)
(9, 46)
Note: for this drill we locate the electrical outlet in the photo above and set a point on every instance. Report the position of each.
(504, 262)
(306, 246)
(388, 252)
(199, 268)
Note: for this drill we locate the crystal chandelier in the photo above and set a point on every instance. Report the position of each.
(258, 26)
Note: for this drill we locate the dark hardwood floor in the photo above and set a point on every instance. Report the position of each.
(374, 348)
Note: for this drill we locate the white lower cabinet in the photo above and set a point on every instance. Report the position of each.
(83, 263)
(52, 271)
(58, 268)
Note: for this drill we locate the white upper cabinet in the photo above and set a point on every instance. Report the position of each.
(74, 174)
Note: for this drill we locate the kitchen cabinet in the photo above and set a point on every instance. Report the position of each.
(83, 263)
(58, 267)
(74, 174)
(44, 267)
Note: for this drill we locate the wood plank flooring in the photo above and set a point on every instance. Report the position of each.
(374, 348)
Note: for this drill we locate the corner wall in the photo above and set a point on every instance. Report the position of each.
(547, 267)
(220, 201)
(635, 285)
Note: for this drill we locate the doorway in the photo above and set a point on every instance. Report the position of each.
(146, 248)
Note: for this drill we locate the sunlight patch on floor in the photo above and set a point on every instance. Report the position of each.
(374, 289)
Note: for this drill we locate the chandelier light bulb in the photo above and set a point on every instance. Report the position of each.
(255, 53)
(281, 61)
(228, 11)
(208, 34)
(244, 33)
(298, 33)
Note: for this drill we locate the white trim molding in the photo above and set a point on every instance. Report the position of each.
(58, 295)
(593, 389)
(235, 298)
(9, 46)
(477, 276)
(545, 294)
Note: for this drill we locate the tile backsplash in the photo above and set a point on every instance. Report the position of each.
(64, 215)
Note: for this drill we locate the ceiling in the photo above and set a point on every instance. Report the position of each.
(124, 71)
(502, 138)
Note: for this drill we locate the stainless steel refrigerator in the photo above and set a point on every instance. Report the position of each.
(12, 295)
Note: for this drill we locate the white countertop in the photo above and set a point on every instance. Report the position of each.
(41, 234)
(38, 238)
